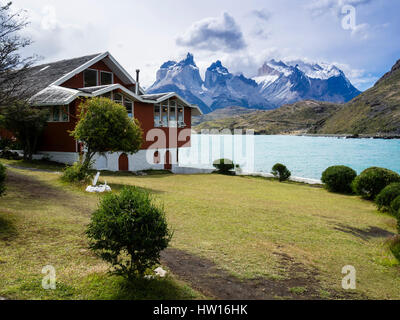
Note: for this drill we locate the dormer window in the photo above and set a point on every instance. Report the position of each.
(106, 78)
(90, 78)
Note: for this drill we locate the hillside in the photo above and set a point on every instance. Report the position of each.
(300, 117)
(220, 114)
(374, 112)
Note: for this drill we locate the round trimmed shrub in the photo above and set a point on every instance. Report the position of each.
(339, 179)
(395, 207)
(387, 195)
(224, 166)
(77, 173)
(2, 179)
(373, 180)
(129, 231)
(281, 172)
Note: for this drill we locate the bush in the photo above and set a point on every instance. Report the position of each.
(9, 155)
(281, 172)
(2, 179)
(224, 166)
(76, 173)
(387, 195)
(395, 207)
(129, 231)
(9, 144)
(339, 179)
(373, 180)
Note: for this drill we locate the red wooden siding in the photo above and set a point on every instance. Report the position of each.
(56, 136)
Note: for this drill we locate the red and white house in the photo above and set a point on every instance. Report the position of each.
(61, 86)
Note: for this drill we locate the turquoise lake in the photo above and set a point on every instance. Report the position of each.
(306, 157)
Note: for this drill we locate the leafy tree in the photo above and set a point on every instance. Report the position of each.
(129, 231)
(12, 65)
(27, 124)
(104, 126)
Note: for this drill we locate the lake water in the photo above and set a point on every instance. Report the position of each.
(306, 157)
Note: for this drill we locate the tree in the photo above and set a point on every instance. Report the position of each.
(281, 172)
(104, 126)
(27, 124)
(129, 231)
(12, 65)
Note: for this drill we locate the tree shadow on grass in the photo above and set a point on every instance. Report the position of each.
(7, 229)
(111, 287)
(117, 187)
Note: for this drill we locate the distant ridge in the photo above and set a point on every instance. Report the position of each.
(375, 112)
(276, 84)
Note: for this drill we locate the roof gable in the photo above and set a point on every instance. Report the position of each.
(40, 77)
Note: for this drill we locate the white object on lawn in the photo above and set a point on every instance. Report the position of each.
(98, 189)
(96, 178)
(160, 272)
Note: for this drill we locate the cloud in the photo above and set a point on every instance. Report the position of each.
(321, 7)
(221, 34)
(262, 14)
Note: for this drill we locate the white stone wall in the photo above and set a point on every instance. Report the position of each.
(137, 162)
(61, 157)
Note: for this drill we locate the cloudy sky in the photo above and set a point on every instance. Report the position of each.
(242, 34)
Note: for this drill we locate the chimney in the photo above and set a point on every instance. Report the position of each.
(137, 81)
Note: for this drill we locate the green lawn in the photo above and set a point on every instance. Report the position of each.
(243, 224)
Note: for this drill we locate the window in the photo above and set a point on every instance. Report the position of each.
(164, 115)
(181, 116)
(107, 95)
(157, 158)
(157, 115)
(90, 78)
(129, 107)
(59, 114)
(172, 114)
(106, 78)
(118, 98)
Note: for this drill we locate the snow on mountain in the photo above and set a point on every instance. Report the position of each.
(288, 82)
(277, 83)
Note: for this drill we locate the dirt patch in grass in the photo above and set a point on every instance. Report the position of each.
(206, 277)
(36, 190)
(365, 234)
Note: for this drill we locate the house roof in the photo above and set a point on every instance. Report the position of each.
(43, 82)
(40, 77)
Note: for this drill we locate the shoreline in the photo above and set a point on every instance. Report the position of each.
(269, 175)
(320, 135)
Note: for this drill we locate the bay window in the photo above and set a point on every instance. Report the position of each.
(169, 114)
(172, 114)
(164, 115)
(157, 115)
(181, 117)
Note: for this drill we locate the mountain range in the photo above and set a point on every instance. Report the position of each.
(375, 112)
(277, 83)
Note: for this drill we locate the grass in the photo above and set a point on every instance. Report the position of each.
(43, 222)
(243, 224)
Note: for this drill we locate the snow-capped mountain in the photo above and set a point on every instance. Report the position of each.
(277, 83)
(282, 83)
